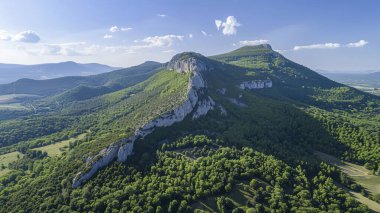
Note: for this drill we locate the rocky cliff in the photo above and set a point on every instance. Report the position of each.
(183, 63)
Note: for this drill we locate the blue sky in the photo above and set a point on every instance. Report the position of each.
(323, 34)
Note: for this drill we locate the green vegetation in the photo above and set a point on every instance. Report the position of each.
(183, 173)
(362, 176)
(258, 157)
(115, 79)
(6, 159)
(57, 148)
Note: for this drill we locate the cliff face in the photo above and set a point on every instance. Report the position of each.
(104, 158)
(183, 63)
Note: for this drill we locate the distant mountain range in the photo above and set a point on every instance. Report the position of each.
(106, 82)
(364, 79)
(13, 72)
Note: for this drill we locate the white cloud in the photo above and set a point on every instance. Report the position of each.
(229, 26)
(204, 33)
(5, 35)
(158, 41)
(107, 36)
(253, 42)
(360, 43)
(168, 51)
(190, 35)
(27, 36)
(318, 46)
(124, 29)
(162, 15)
(65, 49)
(218, 23)
(115, 29)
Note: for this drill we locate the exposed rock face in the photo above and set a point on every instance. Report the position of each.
(124, 148)
(237, 102)
(256, 84)
(223, 111)
(187, 62)
(105, 157)
(221, 91)
(203, 107)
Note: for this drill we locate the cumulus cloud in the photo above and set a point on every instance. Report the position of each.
(107, 36)
(218, 23)
(318, 46)
(229, 26)
(360, 43)
(162, 41)
(162, 15)
(253, 42)
(115, 29)
(156, 41)
(5, 35)
(65, 49)
(27, 36)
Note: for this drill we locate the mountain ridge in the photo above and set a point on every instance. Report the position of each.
(12, 72)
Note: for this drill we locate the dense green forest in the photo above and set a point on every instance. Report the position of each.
(262, 139)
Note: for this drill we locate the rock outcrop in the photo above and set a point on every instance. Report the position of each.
(203, 107)
(183, 63)
(104, 157)
(256, 84)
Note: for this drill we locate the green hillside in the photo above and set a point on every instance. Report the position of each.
(252, 152)
(116, 79)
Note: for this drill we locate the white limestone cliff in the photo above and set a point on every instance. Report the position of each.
(104, 158)
(203, 107)
(124, 148)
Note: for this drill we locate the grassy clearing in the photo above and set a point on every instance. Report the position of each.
(361, 176)
(6, 159)
(240, 196)
(370, 203)
(56, 149)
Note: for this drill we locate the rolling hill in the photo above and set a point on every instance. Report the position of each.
(13, 72)
(116, 79)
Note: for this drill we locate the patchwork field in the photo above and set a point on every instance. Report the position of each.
(12, 98)
(12, 106)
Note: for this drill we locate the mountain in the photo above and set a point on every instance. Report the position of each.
(13, 72)
(231, 133)
(370, 79)
(113, 80)
(368, 82)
